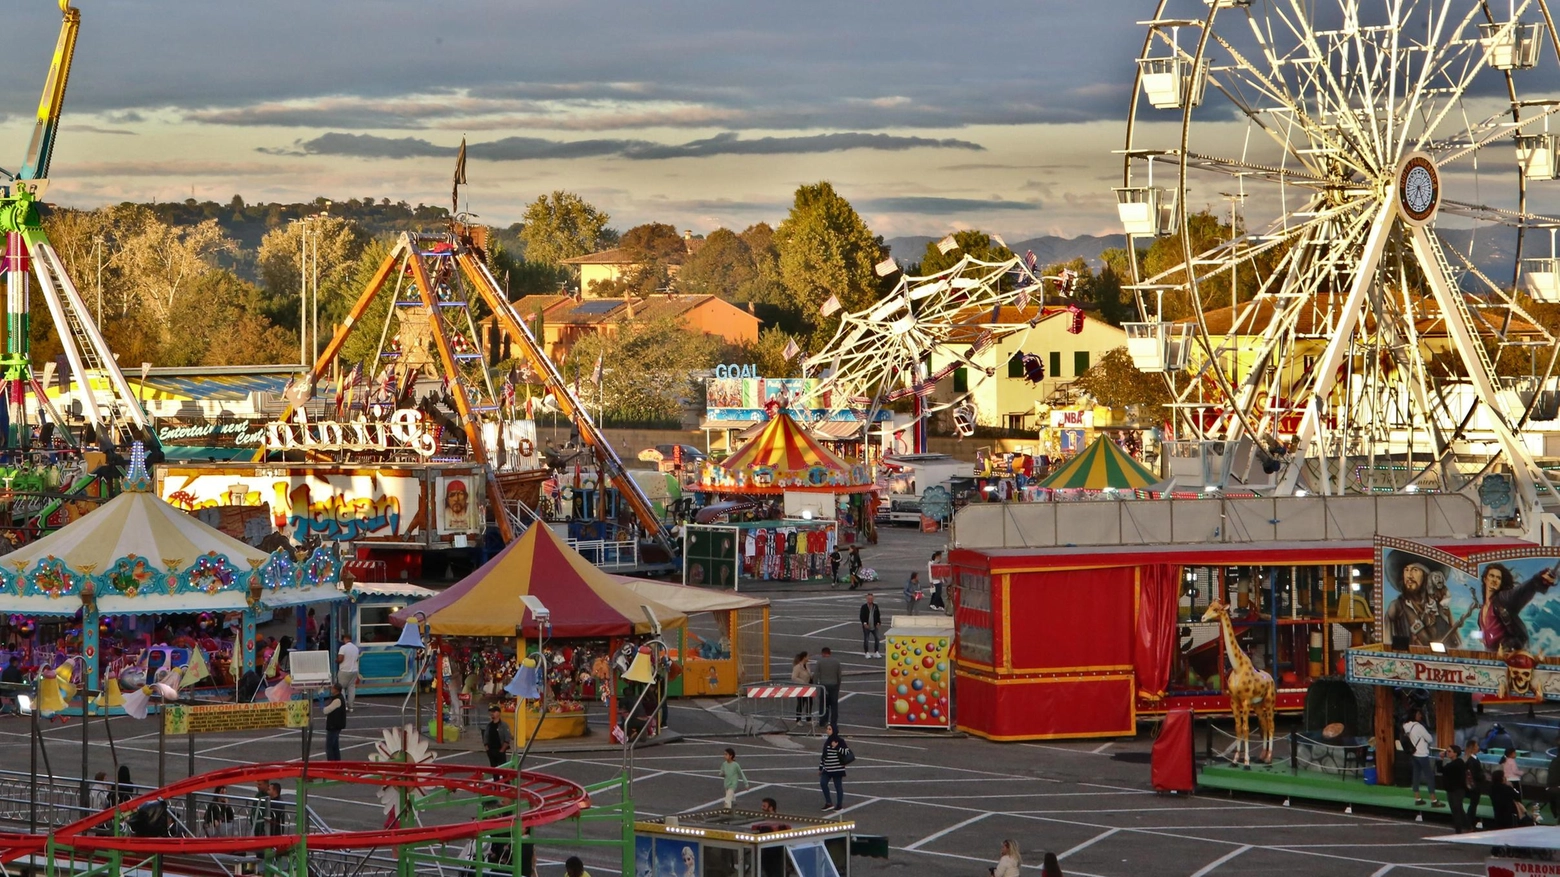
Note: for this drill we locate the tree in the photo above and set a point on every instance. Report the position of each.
(826, 249)
(723, 266)
(767, 354)
(340, 242)
(221, 323)
(561, 226)
(163, 263)
(645, 368)
(1114, 381)
(972, 242)
(656, 250)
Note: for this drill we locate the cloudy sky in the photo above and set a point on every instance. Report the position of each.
(927, 115)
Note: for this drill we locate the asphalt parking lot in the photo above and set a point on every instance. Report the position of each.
(944, 802)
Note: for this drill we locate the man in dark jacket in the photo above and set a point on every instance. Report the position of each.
(335, 722)
(1476, 780)
(871, 620)
(1454, 777)
(496, 737)
(829, 676)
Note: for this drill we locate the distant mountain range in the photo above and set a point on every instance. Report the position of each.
(1048, 249)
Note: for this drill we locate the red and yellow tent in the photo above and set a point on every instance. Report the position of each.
(583, 600)
(784, 457)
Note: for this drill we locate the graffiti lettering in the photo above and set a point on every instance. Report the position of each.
(335, 517)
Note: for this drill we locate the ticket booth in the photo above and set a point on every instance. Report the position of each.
(742, 843)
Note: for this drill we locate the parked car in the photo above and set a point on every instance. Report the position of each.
(691, 456)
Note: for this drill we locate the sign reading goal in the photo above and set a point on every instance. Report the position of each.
(214, 719)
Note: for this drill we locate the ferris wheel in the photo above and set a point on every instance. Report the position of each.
(1390, 178)
(886, 352)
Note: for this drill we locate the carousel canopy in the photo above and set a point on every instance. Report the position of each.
(583, 600)
(784, 457)
(1101, 465)
(136, 554)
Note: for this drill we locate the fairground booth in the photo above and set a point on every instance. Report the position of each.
(137, 586)
(1074, 619)
(743, 843)
(483, 628)
(1453, 623)
(725, 643)
(826, 501)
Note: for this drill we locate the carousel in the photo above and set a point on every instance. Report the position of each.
(824, 500)
(137, 587)
(483, 630)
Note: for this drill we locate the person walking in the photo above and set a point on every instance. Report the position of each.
(939, 595)
(834, 567)
(731, 774)
(801, 674)
(855, 567)
(1420, 739)
(496, 737)
(1477, 780)
(871, 620)
(828, 675)
(831, 769)
(1454, 777)
(335, 722)
(347, 668)
(1508, 766)
(1051, 867)
(1008, 862)
(912, 592)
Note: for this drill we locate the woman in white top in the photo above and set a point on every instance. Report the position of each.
(801, 674)
(1009, 862)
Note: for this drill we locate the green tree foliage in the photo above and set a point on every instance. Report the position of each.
(1206, 231)
(645, 369)
(334, 244)
(768, 354)
(362, 346)
(222, 323)
(723, 266)
(1115, 382)
(561, 226)
(972, 242)
(826, 249)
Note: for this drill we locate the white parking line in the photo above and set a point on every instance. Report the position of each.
(949, 830)
(1088, 843)
(1208, 868)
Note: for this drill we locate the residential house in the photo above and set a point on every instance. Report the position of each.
(1007, 398)
(566, 319)
(610, 265)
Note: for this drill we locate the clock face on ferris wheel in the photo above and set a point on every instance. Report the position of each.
(1419, 189)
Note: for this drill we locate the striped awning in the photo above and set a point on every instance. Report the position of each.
(784, 457)
(1101, 465)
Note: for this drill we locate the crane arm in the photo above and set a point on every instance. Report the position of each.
(41, 148)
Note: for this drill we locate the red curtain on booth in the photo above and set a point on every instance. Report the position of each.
(1159, 593)
(1172, 768)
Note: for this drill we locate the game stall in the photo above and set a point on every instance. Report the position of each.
(138, 578)
(718, 661)
(384, 667)
(592, 618)
(742, 843)
(1064, 642)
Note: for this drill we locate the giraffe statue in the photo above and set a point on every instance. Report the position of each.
(1248, 688)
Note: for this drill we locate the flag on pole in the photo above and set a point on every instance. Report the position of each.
(886, 267)
(1030, 260)
(791, 349)
(460, 178)
(196, 670)
(830, 305)
(1023, 298)
(947, 245)
(997, 239)
(595, 376)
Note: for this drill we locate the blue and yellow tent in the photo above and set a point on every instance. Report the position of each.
(1101, 465)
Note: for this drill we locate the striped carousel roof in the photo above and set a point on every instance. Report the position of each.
(1101, 465)
(788, 458)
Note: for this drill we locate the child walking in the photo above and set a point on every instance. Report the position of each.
(731, 774)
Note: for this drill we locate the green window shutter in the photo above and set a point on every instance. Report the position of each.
(1016, 366)
(1056, 364)
(1080, 362)
(961, 380)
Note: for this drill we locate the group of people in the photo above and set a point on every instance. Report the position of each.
(1466, 780)
(826, 673)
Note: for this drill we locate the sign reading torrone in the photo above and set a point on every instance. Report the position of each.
(214, 719)
(405, 429)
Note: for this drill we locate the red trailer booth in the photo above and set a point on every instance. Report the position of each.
(1079, 642)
